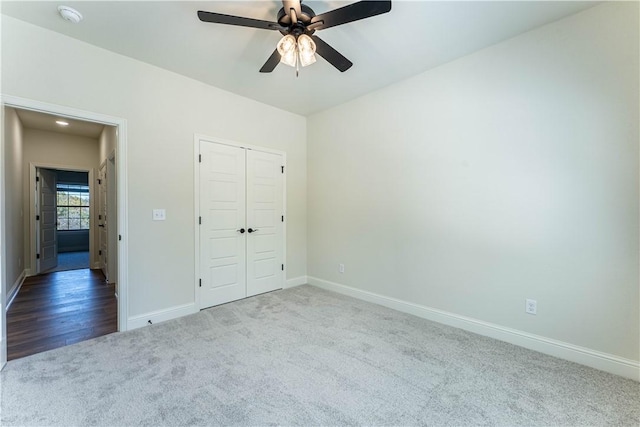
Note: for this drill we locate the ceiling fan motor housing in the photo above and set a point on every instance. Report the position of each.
(296, 28)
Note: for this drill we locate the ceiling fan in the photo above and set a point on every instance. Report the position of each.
(298, 23)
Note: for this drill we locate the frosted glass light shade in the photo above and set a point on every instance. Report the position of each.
(287, 50)
(306, 50)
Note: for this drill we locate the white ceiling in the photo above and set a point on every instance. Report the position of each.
(414, 37)
(47, 122)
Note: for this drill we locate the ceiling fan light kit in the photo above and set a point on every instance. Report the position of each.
(298, 23)
(287, 49)
(297, 52)
(306, 50)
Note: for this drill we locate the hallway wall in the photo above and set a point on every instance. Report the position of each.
(15, 214)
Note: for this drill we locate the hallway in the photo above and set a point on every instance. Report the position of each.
(57, 309)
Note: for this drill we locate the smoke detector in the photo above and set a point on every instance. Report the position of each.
(70, 14)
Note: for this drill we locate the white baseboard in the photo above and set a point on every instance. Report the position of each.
(296, 281)
(161, 315)
(16, 288)
(585, 356)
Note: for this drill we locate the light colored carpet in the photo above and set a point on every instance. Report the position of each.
(305, 356)
(71, 261)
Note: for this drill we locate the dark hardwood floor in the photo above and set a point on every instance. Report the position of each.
(57, 309)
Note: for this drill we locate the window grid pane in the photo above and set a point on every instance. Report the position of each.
(73, 207)
(74, 199)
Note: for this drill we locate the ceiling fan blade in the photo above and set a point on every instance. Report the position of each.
(350, 13)
(332, 56)
(219, 18)
(295, 5)
(271, 63)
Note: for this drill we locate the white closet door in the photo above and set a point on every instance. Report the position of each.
(264, 222)
(223, 214)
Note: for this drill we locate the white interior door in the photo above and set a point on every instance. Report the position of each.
(103, 225)
(222, 228)
(47, 220)
(265, 262)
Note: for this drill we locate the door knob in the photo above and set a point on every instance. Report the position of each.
(251, 230)
(241, 230)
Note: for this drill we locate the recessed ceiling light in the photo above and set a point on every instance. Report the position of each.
(70, 14)
(62, 123)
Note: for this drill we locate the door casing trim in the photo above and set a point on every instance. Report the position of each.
(122, 198)
(33, 227)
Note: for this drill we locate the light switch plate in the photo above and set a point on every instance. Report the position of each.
(159, 215)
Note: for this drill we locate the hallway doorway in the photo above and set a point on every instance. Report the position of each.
(69, 219)
(66, 299)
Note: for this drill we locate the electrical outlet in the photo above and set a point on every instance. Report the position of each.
(159, 215)
(531, 306)
(341, 268)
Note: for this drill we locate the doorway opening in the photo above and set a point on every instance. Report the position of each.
(69, 227)
(63, 236)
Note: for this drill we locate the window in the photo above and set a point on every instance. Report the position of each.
(73, 207)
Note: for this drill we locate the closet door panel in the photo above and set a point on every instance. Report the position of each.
(264, 221)
(223, 216)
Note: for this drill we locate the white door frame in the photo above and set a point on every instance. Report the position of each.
(196, 189)
(112, 212)
(33, 166)
(99, 264)
(121, 190)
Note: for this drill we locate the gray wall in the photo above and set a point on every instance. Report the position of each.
(72, 177)
(163, 111)
(508, 174)
(73, 241)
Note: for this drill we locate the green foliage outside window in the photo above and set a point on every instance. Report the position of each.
(73, 207)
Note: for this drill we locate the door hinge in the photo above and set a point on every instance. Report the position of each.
(282, 267)
(99, 181)
(37, 256)
(99, 216)
(282, 169)
(200, 282)
(200, 220)
(199, 158)
(282, 218)
(37, 179)
(37, 217)
(100, 252)
(119, 236)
